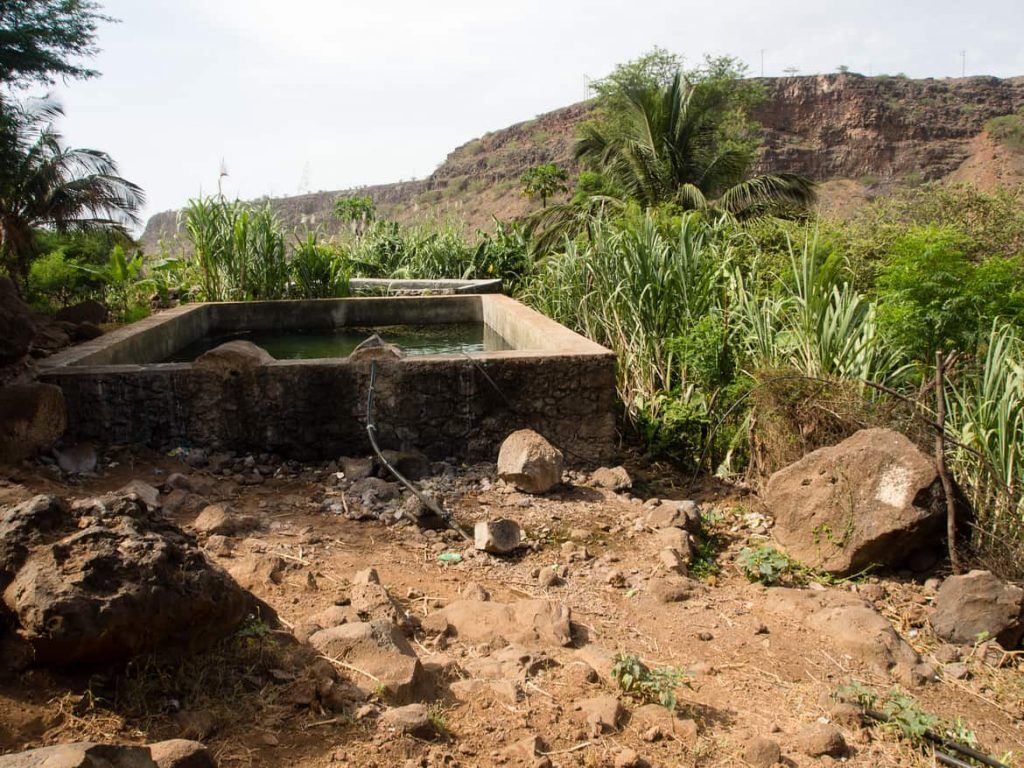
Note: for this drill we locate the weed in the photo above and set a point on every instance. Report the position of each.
(652, 685)
(435, 713)
(707, 545)
(770, 567)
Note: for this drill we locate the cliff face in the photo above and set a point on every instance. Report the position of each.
(857, 135)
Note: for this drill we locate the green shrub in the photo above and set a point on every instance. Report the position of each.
(651, 685)
(1008, 130)
(318, 270)
(769, 566)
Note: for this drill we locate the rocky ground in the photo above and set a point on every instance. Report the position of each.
(399, 645)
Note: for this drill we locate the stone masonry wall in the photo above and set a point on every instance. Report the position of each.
(310, 410)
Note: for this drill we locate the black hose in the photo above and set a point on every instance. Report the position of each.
(371, 432)
(933, 737)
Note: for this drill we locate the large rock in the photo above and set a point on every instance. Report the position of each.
(873, 499)
(385, 661)
(233, 358)
(176, 753)
(529, 462)
(89, 311)
(107, 579)
(530, 623)
(978, 605)
(16, 326)
(81, 754)
(32, 418)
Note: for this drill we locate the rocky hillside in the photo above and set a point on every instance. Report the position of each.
(859, 136)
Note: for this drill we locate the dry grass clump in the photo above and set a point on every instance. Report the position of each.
(792, 415)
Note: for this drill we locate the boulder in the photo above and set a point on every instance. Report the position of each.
(375, 348)
(84, 332)
(529, 462)
(89, 311)
(233, 358)
(978, 605)
(32, 418)
(379, 650)
(530, 623)
(873, 499)
(82, 754)
(17, 328)
(499, 537)
(51, 335)
(107, 579)
(612, 478)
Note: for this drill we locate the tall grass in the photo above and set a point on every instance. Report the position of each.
(986, 415)
(319, 271)
(238, 251)
(693, 319)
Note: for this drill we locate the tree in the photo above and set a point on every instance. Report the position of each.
(355, 211)
(40, 40)
(674, 147)
(45, 185)
(544, 181)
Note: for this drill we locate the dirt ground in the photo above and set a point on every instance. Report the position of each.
(754, 670)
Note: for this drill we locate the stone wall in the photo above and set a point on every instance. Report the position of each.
(307, 410)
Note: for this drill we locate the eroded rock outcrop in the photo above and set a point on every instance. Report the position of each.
(108, 578)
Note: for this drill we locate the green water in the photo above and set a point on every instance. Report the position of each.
(449, 338)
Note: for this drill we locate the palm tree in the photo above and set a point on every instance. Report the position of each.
(669, 150)
(44, 184)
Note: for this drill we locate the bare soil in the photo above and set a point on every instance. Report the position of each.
(755, 670)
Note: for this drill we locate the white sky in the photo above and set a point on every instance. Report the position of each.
(303, 95)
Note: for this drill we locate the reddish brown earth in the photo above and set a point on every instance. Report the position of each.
(758, 670)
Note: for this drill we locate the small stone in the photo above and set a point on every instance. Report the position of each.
(819, 739)
(601, 713)
(761, 752)
(957, 671)
(498, 537)
(612, 478)
(548, 577)
(671, 560)
(77, 459)
(356, 468)
(412, 719)
(144, 492)
(366, 576)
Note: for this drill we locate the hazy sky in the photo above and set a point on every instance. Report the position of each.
(303, 95)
